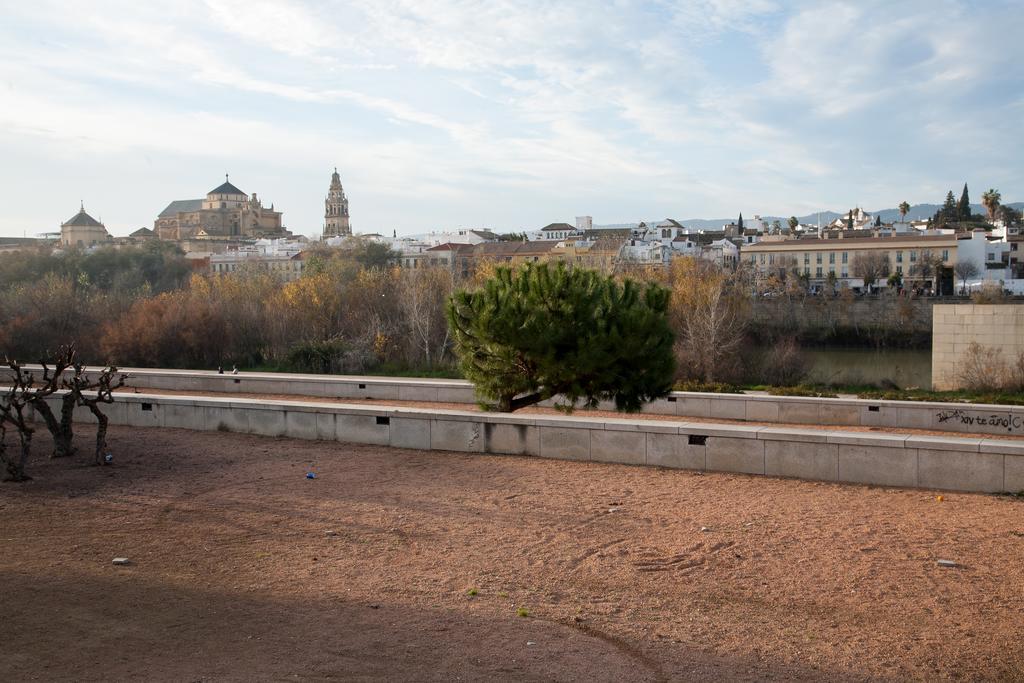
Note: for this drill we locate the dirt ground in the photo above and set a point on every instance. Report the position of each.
(411, 565)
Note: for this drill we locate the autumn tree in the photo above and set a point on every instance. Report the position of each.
(537, 332)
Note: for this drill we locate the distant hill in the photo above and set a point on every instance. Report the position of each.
(917, 211)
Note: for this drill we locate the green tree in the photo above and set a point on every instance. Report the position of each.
(948, 212)
(739, 223)
(963, 207)
(793, 222)
(849, 220)
(878, 221)
(991, 201)
(904, 210)
(537, 332)
(1009, 216)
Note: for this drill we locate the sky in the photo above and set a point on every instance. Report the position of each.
(507, 114)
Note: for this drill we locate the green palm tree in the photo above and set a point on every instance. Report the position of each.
(904, 210)
(990, 200)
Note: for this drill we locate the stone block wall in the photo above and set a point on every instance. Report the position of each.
(999, 328)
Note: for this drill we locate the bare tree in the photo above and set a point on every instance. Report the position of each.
(871, 266)
(927, 266)
(74, 389)
(965, 270)
(423, 293)
(709, 316)
(102, 389)
(14, 411)
(61, 430)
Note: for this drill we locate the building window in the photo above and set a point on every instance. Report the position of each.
(817, 272)
(945, 254)
(832, 257)
(844, 257)
(807, 258)
(845, 273)
(899, 270)
(817, 259)
(771, 259)
(762, 259)
(913, 256)
(899, 257)
(807, 271)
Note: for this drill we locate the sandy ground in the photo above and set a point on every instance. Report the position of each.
(244, 569)
(580, 412)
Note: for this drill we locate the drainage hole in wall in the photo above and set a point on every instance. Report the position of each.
(383, 420)
(697, 439)
(872, 409)
(362, 386)
(671, 399)
(147, 406)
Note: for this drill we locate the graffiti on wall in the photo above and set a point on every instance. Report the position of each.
(990, 421)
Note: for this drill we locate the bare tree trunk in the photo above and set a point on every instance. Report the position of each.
(62, 432)
(101, 431)
(15, 465)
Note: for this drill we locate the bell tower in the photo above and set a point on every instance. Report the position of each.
(336, 209)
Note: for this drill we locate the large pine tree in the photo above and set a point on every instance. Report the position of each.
(948, 212)
(537, 332)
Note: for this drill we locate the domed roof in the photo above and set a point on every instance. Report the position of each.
(82, 219)
(226, 188)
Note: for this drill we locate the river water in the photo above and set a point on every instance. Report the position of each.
(906, 367)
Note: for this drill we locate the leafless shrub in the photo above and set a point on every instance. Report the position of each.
(784, 364)
(989, 293)
(983, 369)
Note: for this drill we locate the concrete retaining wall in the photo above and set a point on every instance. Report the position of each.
(963, 418)
(977, 464)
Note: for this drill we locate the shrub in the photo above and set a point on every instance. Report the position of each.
(784, 364)
(707, 387)
(800, 390)
(984, 369)
(328, 356)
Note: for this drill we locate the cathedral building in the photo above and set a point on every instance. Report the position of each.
(336, 210)
(226, 212)
(82, 230)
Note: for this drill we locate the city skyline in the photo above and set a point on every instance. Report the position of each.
(507, 115)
